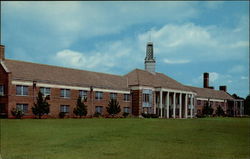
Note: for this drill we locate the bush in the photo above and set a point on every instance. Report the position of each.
(62, 114)
(97, 114)
(149, 115)
(220, 111)
(81, 108)
(125, 114)
(17, 113)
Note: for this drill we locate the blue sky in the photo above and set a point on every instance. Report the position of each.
(189, 37)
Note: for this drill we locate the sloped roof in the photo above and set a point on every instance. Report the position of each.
(211, 93)
(145, 78)
(65, 76)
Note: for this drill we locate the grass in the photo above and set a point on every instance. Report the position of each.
(207, 138)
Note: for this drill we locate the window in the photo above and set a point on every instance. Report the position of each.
(113, 96)
(64, 108)
(98, 95)
(126, 97)
(65, 93)
(1, 90)
(45, 91)
(98, 109)
(22, 107)
(126, 109)
(198, 102)
(211, 103)
(21, 90)
(147, 97)
(83, 94)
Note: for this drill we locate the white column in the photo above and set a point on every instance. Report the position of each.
(161, 103)
(167, 104)
(174, 105)
(191, 103)
(180, 102)
(186, 108)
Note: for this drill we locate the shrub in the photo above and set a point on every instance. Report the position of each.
(113, 107)
(62, 114)
(97, 114)
(125, 114)
(81, 108)
(41, 107)
(149, 115)
(220, 111)
(207, 110)
(17, 113)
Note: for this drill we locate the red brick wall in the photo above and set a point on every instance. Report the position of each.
(136, 102)
(4, 81)
(56, 101)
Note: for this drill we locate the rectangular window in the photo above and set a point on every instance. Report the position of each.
(98, 95)
(1, 90)
(126, 110)
(147, 97)
(45, 91)
(21, 90)
(126, 97)
(65, 93)
(83, 94)
(98, 109)
(113, 96)
(64, 108)
(198, 102)
(22, 107)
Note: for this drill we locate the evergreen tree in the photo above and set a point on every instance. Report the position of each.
(41, 107)
(247, 105)
(113, 107)
(81, 108)
(220, 111)
(207, 110)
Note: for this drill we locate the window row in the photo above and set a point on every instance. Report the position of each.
(65, 93)
(211, 103)
(66, 108)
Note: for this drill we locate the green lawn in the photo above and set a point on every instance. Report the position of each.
(215, 138)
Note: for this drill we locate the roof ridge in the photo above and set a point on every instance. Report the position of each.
(64, 67)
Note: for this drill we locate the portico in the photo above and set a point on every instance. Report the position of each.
(174, 103)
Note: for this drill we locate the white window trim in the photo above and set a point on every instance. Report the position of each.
(22, 92)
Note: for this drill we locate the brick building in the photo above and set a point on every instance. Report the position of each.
(139, 91)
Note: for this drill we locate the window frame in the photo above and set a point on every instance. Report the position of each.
(45, 88)
(18, 105)
(65, 93)
(101, 109)
(126, 108)
(22, 90)
(98, 95)
(126, 97)
(65, 108)
(83, 94)
(113, 96)
(1, 90)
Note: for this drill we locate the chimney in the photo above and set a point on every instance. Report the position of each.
(223, 88)
(2, 57)
(206, 80)
(211, 87)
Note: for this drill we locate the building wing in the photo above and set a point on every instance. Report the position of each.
(27, 71)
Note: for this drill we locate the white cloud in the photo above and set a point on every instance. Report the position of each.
(168, 61)
(244, 77)
(237, 69)
(214, 76)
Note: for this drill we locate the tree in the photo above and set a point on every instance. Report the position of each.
(219, 111)
(41, 107)
(207, 110)
(113, 107)
(81, 108)
(247, 105)
(17, 113)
